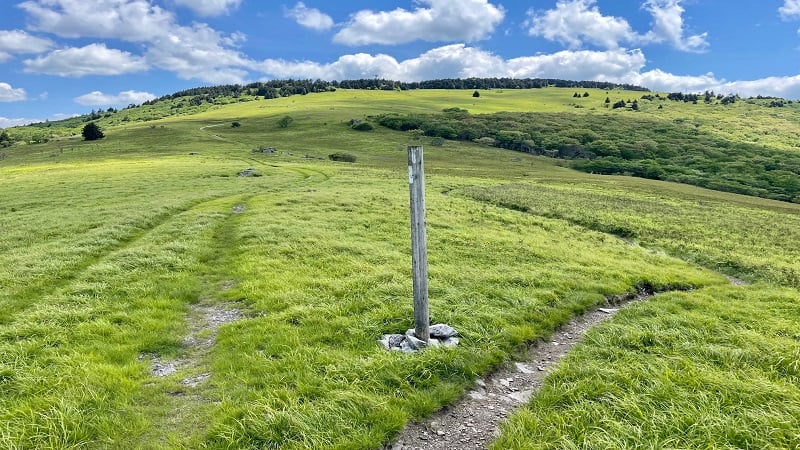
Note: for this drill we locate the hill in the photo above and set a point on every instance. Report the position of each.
(746, 146)
(152, 297)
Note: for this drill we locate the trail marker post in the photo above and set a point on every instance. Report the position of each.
(419, 243)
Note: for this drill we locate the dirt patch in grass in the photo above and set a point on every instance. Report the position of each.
(204, 322)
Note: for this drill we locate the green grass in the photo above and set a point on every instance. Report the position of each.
(105, 247)
(716, 368)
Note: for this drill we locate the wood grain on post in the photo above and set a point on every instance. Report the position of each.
(419, 243)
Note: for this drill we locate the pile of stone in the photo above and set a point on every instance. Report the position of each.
(251, 172)
(441, 335)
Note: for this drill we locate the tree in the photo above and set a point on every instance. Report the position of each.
(285, 122)
(476, 94)
(91, 132)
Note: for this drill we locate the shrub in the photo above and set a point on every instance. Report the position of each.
(91, 132)
(437, 141)
(235, 125)
(363, 126)
(285, 121)
(343, 157)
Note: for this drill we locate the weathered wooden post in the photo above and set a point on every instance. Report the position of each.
(419, 243)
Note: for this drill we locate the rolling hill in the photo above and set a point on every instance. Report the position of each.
(154, 298)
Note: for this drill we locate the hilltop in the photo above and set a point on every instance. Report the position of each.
(747, 146)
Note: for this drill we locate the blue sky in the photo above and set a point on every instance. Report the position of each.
(62, 57)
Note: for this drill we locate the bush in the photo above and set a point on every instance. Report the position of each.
(235, 125)
(285, 122)
(437, 141)
(91, 132)
(343, 157)
(363, 126)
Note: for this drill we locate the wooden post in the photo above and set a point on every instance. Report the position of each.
(419, 243)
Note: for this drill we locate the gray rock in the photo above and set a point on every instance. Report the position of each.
(450, 342)
(405, 346)
(416, 344)
(443, 331)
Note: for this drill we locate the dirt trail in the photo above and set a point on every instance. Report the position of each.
(473, 422)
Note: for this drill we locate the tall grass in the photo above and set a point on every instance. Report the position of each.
(106, 246)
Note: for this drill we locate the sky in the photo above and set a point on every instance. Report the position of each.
(59, 58)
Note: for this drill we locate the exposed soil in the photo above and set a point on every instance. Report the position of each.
(473, 421)
(204, 322)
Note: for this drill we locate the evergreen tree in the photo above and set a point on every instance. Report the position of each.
(91, 132)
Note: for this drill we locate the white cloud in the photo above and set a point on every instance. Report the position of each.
(310, 17)
(459, 60)
(129, 20)
(668, 26)
(10, 94)
(201, 53)
(98, 98)
(93, 59)
(210, 7)
(8, 123)
(790, 9)
(574, 22)
(192, 52)
(445, 20)
(19, 42)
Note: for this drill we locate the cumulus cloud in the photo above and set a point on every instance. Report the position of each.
(199, 52)
(19, 42)
(93, 59)
(668, 26)
(10, 94)
(310, 17)
(210, 7)
(444, 20)
(790, 9)
(192, 52)
(129, 20)
(97, 98)
(459, 60)
(575, 23)
(5, 122)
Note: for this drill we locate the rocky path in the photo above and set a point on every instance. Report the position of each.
(473, 422)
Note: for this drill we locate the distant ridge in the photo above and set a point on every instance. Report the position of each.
(285, 88)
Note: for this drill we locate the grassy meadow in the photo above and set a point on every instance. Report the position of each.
(110, 248)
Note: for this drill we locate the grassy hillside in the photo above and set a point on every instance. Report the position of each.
(113, 252)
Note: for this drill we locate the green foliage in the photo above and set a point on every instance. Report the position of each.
(647, 148)
(285, 121)
(236, 125)
(92, 132)
(342, 157)
(363, 126)
(5, 139)
(476, 94)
